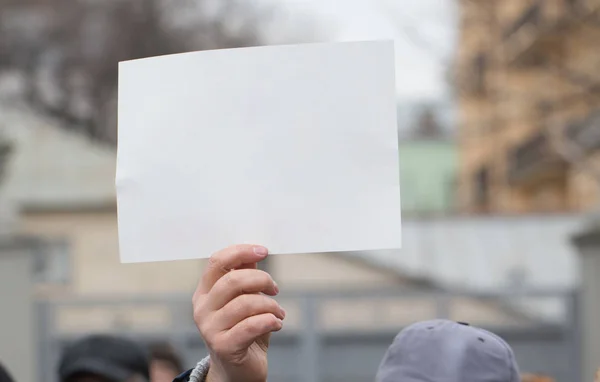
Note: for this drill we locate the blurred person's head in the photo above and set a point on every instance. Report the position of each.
(102, 358)
(447, 351)
(4, 375)
(165, 363)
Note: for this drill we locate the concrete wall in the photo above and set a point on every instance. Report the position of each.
(18, 341)
(588, 243)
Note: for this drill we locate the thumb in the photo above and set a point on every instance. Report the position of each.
(253, 329)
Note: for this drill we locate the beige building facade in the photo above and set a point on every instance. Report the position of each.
(528, 83)
(95, 270)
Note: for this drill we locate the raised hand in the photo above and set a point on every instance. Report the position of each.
(235, 316)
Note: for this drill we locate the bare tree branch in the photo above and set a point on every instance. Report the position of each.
(68, 50)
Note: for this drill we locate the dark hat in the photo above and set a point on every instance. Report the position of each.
(113, 358)
(447, 351)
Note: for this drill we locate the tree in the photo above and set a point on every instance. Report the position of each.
(427, 125)
(66, 52)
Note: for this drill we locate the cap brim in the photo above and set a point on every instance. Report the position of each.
(98, 367)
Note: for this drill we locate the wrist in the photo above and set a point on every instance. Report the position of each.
(216, 373)
(213, 376)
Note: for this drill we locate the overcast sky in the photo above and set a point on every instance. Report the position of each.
(424, 31)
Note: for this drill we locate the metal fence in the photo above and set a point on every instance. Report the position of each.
(334, 336)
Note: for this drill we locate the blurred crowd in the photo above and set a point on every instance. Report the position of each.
(105, 358)
(235, 313)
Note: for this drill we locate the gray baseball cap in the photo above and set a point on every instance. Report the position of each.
(448, 351)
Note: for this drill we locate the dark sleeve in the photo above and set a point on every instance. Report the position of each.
(183, 377)
(4, 375)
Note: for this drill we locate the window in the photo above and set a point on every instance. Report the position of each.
(52, 263)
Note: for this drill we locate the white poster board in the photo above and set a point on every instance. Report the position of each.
(290, 147)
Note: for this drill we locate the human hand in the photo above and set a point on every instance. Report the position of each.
(234, 316)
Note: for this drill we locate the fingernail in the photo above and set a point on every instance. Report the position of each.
(261, 251)
(282, 311)
(276, 287)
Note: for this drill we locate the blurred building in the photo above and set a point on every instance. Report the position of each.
(61, 186)
(529, 86)
(428, 164)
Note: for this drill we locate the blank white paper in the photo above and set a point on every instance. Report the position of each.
(290, 147)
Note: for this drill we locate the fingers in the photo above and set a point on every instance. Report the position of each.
(237, 256)
(239, 282)
(245, 306)
(246, 332)
(230, 308)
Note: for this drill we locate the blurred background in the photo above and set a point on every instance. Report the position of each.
(499, 144)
